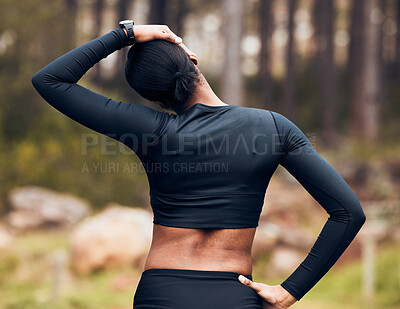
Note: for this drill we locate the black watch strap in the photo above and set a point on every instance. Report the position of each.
(128, 25)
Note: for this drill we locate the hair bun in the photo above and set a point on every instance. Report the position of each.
(182, 86)
(178, 75)
(161, 71)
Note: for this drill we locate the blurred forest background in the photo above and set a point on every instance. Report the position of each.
(330, 66)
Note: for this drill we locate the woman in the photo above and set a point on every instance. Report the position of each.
(208, 166)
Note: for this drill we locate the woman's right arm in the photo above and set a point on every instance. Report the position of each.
(57, 83)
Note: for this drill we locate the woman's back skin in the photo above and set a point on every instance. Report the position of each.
(201, 249)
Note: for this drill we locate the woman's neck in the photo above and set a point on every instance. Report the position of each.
(205, 95)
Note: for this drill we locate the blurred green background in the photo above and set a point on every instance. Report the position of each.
(331, 66)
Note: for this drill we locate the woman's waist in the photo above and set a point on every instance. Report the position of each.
(208, 249)
(208, 260)
(193, 273)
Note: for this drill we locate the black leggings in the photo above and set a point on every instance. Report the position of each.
(163, 288)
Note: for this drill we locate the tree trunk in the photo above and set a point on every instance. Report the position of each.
(265, 54)
(71, 13)
(398, 39)
(289, 86)
(371, 70)
(180, 16)
(123, 9)
(98, 18)
(356, 56)
(233, 24)
(383, 65)
(157, 12)
(365, 69)
(324, 15)
(123, 13)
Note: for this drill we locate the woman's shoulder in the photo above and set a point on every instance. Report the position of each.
(260, 113)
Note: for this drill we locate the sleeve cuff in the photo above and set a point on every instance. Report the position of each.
(123, 37)
(292, 292)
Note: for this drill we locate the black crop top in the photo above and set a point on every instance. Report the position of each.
(209, 166)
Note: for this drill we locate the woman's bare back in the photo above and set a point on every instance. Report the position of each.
(201, 249)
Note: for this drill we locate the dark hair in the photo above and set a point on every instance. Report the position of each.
(161, 71)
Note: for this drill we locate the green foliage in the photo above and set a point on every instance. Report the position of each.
(60, 164)
(26, 278)
(8, 264)
(29, 47)
(345, 284)
(342, 285)
(388, 279)
(38, 145)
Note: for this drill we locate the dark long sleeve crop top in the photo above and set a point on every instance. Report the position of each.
(209, 166)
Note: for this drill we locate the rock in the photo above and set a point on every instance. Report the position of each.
(34, 208)
(269, 235)
(266, 237)
(284, 260)
(6, 240)
(296, 238)
(286, 203)
(115, 237)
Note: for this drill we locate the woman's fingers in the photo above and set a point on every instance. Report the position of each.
(169, 35)
(144, 33)
(274, 297)
(254, 285)
(191, 54)
(194, 59)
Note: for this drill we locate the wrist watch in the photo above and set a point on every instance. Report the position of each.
(128, 26)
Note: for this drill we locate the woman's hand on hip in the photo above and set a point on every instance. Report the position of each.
(273, 296)
(144, 33)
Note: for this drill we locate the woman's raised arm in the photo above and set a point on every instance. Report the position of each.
(57, 84)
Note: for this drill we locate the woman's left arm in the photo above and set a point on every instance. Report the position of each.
(330, 190)
(57, 84)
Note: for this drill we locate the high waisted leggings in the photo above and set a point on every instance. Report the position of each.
(163, 288)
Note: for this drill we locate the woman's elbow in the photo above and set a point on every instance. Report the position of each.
(358, 215)
(44, 83)
(38, 80)
(362, 218)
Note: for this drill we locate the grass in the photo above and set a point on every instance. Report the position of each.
(26, 280)
(342, 286)
(345, 286)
